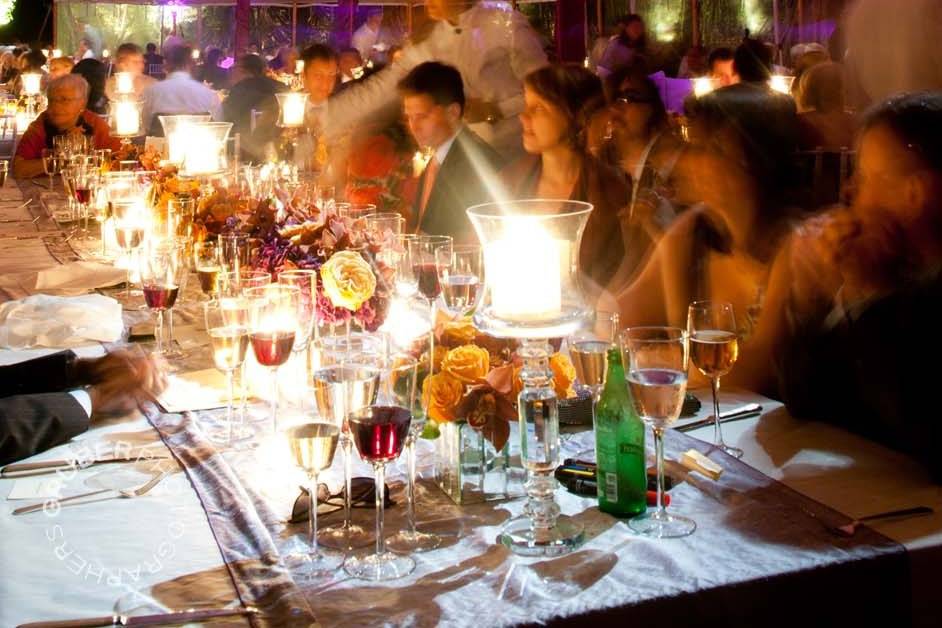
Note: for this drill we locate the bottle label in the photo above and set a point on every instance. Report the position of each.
(611, 487)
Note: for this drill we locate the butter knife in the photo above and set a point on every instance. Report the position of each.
(160, 619)
(736, 414)
(52, 465)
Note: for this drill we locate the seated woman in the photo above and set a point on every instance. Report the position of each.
(66, 113)
(559, 101)
(854, 297)
(824, 123)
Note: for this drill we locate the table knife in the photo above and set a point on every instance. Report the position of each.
(737, 414)
(52, 465)
(160, 619)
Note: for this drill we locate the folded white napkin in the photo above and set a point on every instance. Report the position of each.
(47, 321)
(78, 277)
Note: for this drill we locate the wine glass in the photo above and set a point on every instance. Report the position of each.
(338, 391)
(407, 284)
(380, 433)
(206, 261)
(4, 170)
(233, 251)
(387, 226)
(461, 277)
(273, 324)
(313, 446)
(129, 229)
(398, 388)
(714, 348)
(161, 274)
(588, 349)
(355, 211)
(306, 283)
(655, 361)
(227, 323)
(424, 255)
(51, 163)
(85, 180)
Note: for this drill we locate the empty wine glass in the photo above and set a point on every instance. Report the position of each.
(387, 226)
(130, 224)
(424, 253)
(714, 348)
(313, 446)
(51, 163)
(273, 324)
(227, 323)
(407, 284)
(355, 211)
(161, 275)
(655, 360)
(233, 251)
(461, 277)
(380, 433)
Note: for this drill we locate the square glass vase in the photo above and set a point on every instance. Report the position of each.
(468, 468)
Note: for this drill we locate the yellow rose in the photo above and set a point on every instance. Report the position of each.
(458, 333)
(467, 363)
(564, 374)
(441, 394)
(348, 280)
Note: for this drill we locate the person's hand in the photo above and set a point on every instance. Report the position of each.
(121, 381)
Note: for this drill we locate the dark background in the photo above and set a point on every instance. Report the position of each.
(28, 16)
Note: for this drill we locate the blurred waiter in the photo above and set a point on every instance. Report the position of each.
(492, 46)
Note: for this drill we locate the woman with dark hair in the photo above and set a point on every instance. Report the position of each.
(96, 75)
(628, 49)
(210, 72)
(559, 100)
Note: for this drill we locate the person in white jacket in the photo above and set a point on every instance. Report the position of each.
(494, 48)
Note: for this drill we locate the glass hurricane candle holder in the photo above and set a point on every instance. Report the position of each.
(291, 109)
(176, 129)
(126, 118)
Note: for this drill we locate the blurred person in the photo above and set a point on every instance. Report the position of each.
(153, 62)
(9, 68)
(824, 123)
(367, 36)
(806, 57)
(321, 68)
(60, 66)
(129, 58)
(85, 50)
(95, 74)
(284, 61)
(720, 67)
(31, 62)
(853, 297)
(462, 170)
(626, 49)
(395, 53)
(560, 100)
(603, 40)
(491, 45)
(46, 401)
(694, 63)
(252, 89)
(210, 73)
(66, 113)
(349, 62)
(178, 93)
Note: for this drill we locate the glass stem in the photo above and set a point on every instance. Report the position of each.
(431, 339)
(410, 491)
(312, 514)
(159, 331)
(659, 458)
(170, 329)
(718, 430)
(380, 502)
(230, 377)
(348, 481)
(274, 399)
(127, 284)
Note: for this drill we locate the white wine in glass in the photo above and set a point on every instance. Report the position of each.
(590, 359)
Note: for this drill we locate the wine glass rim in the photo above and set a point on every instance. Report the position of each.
(499, 209)
(668, 333)
(705, 303)
(297, 272)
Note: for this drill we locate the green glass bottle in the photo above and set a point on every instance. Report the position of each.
(619, 446)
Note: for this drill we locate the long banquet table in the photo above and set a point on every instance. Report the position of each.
(750, 560)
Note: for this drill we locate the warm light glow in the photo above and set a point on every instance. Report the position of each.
(420, 160)
(32, 83)
(105, 53)
(405, 324)
(56, 53)
(531, 287)
(781, 83)
(200, 154)
(127, 118)
(196, 54)
(298, 66)
(124, 82)
(292, 108)
(703, 85)
(23, 120)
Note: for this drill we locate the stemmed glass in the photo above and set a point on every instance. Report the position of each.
(407, 284)
(714, 348)
(655, 361)
(233, 251)
(398, 388)
(380, 433)
(588, 349)
(461, 277)
(355, 211)
(273, 324)
(387, 226)
(306, 283)
(340, 390)
(161, 274)
(206, 261)
(129, 229)
(227, 323)
(424, 253)
(313, 446)
(85, 180)
(51, 163)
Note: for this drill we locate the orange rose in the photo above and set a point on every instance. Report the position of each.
(441, 394)
(468, 364)
(564, 374)
(460, 332)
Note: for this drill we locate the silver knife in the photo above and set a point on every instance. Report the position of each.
(52, 465)
(736, 414)
(161, 619)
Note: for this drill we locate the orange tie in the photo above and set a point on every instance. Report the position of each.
(431, 172)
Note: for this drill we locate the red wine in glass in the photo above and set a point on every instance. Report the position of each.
(427, 275)
(272, 348)
(160, 297)
(83, 195)
(380, 432)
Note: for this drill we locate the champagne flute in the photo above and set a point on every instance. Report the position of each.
(129, 229)
(380, 433)
(50, 163)
(273, 325)
(227, 323)
(424, 255)
(714, 348)
(656, 370)
(233, 251)
(86, 180)
(338, 391)
(398, 388)
(313, 446)
(588, 349)
(461, 277)
(407, 284)
(306, 283)
(208, 267)
(161, 274)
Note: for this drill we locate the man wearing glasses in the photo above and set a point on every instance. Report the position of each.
(65, 114)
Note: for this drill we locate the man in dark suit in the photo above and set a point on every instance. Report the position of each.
(253, 90)
(462, 170)
(46, 401)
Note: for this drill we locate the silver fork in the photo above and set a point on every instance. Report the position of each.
(125, 493)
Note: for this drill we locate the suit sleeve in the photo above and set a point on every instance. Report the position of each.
(49, 373)
(30, 424)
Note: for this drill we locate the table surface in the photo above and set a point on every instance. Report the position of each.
(78, 561)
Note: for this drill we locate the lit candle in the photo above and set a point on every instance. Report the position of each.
(56, 53)
(124, 82)
(292, 109)
(781, 83)
(200, 151)
(105, 53)
(22, 121)
(298, 66)
(529, 286)
(127, 118)
(31, 83)
(196, 54)
(703, 85)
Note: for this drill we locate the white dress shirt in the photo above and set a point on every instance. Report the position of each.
(364, 38)
(179, 93)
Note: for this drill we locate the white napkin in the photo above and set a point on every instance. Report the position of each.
(78, 277)
(47, 321)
